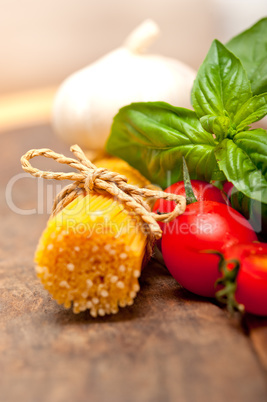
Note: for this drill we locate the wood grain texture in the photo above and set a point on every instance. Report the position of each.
(169, 346)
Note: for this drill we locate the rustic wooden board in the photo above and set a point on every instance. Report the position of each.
(169, 346)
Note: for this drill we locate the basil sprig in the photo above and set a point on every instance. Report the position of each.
(215, 139)
(154, 136)
(222, 91)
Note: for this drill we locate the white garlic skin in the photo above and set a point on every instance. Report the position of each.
(87, 101)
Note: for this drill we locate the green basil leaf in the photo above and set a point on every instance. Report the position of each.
(243, 160)
(251, 48)
(259, 79)
(221, 86)
(154, 136)
(217, 125)
(253, 110)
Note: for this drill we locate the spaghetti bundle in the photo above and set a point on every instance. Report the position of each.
(100, 234)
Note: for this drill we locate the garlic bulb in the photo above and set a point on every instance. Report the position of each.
(87, 101)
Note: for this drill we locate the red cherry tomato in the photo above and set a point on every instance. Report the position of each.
(203, 191)
(206, 225)
(251, 279)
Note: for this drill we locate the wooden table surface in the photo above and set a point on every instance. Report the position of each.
(169, 346)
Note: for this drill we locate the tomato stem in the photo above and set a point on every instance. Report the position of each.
(189, 193)
(226, 295)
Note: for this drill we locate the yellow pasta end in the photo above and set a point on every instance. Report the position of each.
(90, 255)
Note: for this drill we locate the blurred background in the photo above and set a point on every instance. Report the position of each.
(42, 42)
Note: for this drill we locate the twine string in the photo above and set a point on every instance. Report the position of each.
(88, 177)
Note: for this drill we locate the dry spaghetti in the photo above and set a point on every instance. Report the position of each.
(94, 262)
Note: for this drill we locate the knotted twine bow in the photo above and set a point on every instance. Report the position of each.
(92, 178)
